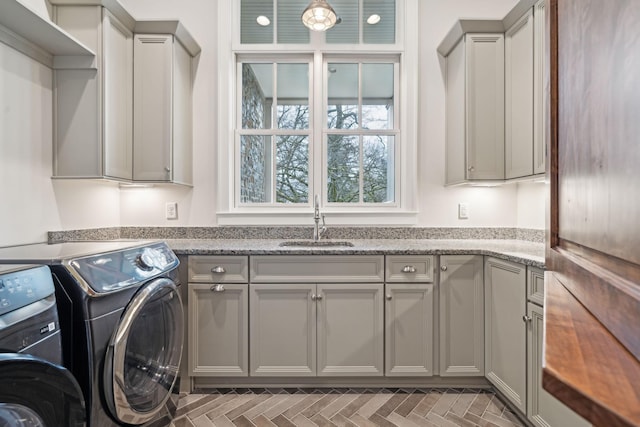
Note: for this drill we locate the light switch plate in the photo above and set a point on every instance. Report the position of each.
(463, 210)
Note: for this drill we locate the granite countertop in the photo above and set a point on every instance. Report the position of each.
(524, 252)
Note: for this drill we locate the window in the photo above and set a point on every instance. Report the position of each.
(318, 113)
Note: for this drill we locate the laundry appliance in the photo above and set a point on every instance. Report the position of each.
(122, 325)
(35, 390)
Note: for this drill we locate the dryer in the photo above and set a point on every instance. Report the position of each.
(122, 322)
(35, 390)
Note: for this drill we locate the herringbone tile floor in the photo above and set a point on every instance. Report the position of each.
(344, 407)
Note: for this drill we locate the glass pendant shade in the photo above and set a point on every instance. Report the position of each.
(319, 16)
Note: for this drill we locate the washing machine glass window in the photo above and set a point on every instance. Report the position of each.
(15, 415)
(143, 357)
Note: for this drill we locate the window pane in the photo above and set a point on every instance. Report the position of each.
(382, 30)
(255, 169)
(347, 30)
(293, 96)
(250, 30)
(343, 160)
(292, 173)
(257, 95)
(290, 26)
(343, 96)
(377, 169)
(377, 96)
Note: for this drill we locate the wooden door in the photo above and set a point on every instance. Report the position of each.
(592, 305)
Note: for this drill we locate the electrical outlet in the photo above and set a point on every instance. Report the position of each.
(463, 210)
(171, 210)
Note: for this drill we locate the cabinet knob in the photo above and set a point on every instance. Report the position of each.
(167, 169)
(389, 297)
(526, 319)
(443, 267)
(217, 288)
(218, 269)
(408, 269)
(471, 168)
(315, 297)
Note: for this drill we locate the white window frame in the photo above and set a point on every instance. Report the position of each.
(404, 212)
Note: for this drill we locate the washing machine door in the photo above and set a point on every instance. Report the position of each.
(38, 393)
(143, 358)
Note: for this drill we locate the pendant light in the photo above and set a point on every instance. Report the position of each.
(319, 16)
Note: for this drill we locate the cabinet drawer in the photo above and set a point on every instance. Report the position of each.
(403, 268)
(317, 268)
(535, 285)
(218, 269)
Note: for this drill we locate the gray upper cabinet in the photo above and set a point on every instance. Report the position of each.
(539, 88)
(524, 92)
(93, 107)
(505, 331)
(475, 108)
(461, 315)
(519, 97)
(162, 102)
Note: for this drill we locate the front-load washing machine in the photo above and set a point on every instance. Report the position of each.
(35, 390)
(122, 324)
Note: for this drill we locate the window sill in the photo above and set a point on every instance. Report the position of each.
(300, 217)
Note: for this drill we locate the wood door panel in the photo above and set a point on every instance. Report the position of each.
(599, 105)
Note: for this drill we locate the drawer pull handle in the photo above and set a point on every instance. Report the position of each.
(217, 288)
(218, 269)
(408, 269)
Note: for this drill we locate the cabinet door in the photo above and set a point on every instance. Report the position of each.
(505, 331)
(283, 330)
(218, 330)
(543, 410)
(518, 45)
(182, 138)
(539, 89)
(117, 64)
(152, 107)
(485, 106)
(461, 315)
(456, 166)
(409, 329)
(350, 329)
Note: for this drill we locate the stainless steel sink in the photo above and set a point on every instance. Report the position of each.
(317, 243)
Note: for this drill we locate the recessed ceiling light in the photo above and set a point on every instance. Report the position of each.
(263, 20)
(373, 19)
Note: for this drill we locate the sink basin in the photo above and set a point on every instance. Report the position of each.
(317, 243)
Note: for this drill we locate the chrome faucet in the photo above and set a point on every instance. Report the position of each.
(318, 231)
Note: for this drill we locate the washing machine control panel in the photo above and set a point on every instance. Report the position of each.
(23, 287)
(112, 271)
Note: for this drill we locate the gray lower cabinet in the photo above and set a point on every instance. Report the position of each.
(461, 315)
(409, 329)
(283, 329)
(218, 327)
(218, 316)
(543, 410)
(505, 329)
(350, 329)
(316, 330)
